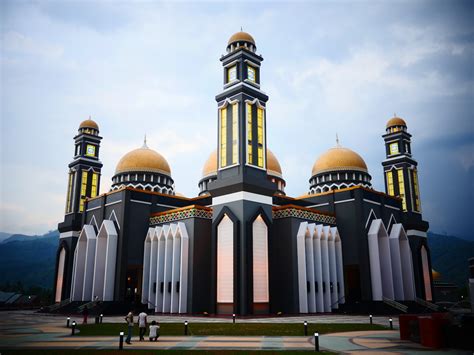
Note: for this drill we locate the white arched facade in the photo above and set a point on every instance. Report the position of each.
(165, 268)
(260, 261)
(320, 266)
(225, 264)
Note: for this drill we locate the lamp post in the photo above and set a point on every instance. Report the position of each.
(391, 323)
(371, 321)
(305, 328)
(233, 318)
(68, 320)
(121, 341)
(185, 327)
(316, 341)
(101, 318)
(73, 331)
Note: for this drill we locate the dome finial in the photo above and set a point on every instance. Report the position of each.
(144, 143)
(337, 141)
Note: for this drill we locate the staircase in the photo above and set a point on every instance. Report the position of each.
(394, 304)
(426, 304)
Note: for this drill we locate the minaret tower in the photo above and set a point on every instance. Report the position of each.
(242, 194)
(83, 182)
(400, 169)
(401, 179)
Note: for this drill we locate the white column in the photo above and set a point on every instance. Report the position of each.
(60, 275)
(99, 264)
(160, 271)
(301, 255)
(146, 266)
(110, 260)
(318, 269)
(395, 258)
(333, 267)
(183, 277)
(310, 267)
(168, 269)
(426, 273)
(340, 268)
(153, 263)
(176, 266)
(325, 268)
(407, 266)
(89, 265)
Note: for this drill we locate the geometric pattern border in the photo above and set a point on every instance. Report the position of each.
(303, 214)
(173, 215)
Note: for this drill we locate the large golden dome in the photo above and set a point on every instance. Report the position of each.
(241, 37)
(273, 166)
(143, 159)
(396, 121)
(339, 158)
(89, 124)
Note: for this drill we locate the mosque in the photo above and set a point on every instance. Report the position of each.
(242, 245)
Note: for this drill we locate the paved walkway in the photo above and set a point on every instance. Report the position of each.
(28, 330)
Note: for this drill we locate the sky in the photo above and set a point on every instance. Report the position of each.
(136, 67)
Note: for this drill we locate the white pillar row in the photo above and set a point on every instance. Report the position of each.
(167, 269)
(153, 263)
(319, 252)
(333, 267)
(310, 268)
(146, 265)
(301, 260)
(160, 271)
(318, 268)
(395, 257)
(104, 262)
(167, 278)
(325, 263)
(79, 269)
(380, 261)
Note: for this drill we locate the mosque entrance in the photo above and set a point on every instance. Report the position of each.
(133, 287)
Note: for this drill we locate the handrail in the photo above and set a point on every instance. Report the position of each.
(338, 301)
(395, 304)
(427, 304)
(59, 304)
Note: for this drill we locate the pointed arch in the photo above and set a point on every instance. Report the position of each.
(93, 222)
(113, 218)
(371, 217)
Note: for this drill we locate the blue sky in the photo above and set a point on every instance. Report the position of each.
(147, 67)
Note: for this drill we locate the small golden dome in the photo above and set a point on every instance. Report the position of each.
(396, 121)
(339, 158)
(436, 275)
(273, 166)
(89, 124)
(143, 159)
(241, 37)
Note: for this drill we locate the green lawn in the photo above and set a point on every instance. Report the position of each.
(267, 329)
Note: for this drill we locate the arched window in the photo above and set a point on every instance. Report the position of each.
(260, 261)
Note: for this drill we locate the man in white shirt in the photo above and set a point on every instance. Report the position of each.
(142, 324)
(154, 331)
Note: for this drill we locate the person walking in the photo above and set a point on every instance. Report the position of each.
(85, 314)
(154, 331)
(129, 320)
(142, 325)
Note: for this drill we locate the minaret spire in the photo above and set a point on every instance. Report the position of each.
(337, 141)
(144, 143)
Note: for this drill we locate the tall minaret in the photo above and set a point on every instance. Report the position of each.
(242, 142)
(242, 194)
(400, 169)
(401, 179)
(83, 182)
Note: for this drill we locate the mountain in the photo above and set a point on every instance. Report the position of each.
(4, 236)
(29, 259)
(449, 256)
